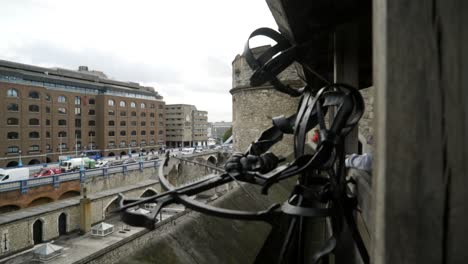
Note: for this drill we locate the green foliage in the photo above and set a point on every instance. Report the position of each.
(227, 134)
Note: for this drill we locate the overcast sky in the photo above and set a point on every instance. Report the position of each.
(184, 49)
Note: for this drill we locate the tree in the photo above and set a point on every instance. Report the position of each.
(227, 134)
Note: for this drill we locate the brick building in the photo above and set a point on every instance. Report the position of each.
(186, 126)
(48, 112)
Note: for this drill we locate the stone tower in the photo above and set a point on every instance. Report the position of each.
(254, 107)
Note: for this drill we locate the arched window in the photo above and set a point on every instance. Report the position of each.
(62, 110)
(111, 144)
(151, 114)
(92, 134)
(142, 105)
(12, 121)
(47, 109)
(91, 123)
(77, 100)
(143, 142)
(91, 112)
(123, 133)
(122, 104)
(152, 141)
(123, 123)
(143, 132)
(34, 95)
(62, 134)
(132, 104)
(13, 149)
(111, 123)
(122, 143)
(34, 108)
(133, 113)
(110, 102)
(133, 123)
(133, 143)
(61, 99)
(111, 133)
(47, 134)
(47, 97)
(152, 132)
(161, 132)
(92, 101)
(47, 122)
(152, 106)
(143, 123)
(33, 122)
(13, 135)
(111, 112)
(123, 113)
(13, 107)
(133, 133)
(34, 134)
(62, 122)
(47, 146)
(143, 114)
(12, 93)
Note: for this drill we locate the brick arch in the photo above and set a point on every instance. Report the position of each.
(40, 201)
(68, 194)
(9, 208)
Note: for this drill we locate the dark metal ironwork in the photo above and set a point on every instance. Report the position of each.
(321, 190)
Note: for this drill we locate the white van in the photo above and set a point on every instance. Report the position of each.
(187, 151)
(17, 174)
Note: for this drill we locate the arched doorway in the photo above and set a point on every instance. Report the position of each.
(111, 154)
(37, 232)
(123, 153)
(62, 224)
(48, 160)
(12, 164)
(134, 151)
(112, 207)
(34, 162)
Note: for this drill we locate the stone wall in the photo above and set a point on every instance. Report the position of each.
(366, 129)
(254, 107)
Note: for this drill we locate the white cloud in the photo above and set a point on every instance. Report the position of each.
(183, 48)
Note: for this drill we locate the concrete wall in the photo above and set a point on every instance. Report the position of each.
(199, 238)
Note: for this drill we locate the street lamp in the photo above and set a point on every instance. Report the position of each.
(20, 162)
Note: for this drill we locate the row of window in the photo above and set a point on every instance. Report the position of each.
(132, 123)
(133, 133)
(35, 122)
(133, 143)
(35, 95)
(133, 113)
(12, 107)
(35, 134)
(111, 102)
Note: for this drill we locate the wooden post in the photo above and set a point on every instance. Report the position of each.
(347, 71)
(420, 178)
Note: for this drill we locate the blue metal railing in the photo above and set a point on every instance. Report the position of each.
(55, 180)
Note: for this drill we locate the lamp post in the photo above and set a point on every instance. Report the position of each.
(20, 162)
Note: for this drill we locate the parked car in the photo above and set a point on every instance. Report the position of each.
(102, 163)
(187, 151)
(44, 172)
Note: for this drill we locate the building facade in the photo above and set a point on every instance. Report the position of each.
(49, 112)
(186, 126)
(218, 129)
